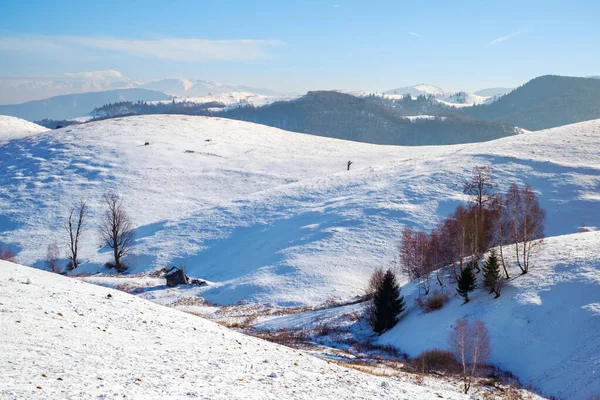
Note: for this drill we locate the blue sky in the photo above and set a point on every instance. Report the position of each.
(299, 45)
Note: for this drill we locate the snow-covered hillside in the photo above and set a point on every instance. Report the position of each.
(458, 99)
(420, 89)
(62, 338)
(544, 327)
(232, 99)
(462, 99)
(15, 128)
(269, 215)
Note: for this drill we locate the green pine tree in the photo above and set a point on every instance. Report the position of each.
(466, 283)
(492, 279)
(387, 304)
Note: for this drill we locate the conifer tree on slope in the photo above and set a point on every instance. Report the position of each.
(492, 280)
(466, 282)
(387, 304)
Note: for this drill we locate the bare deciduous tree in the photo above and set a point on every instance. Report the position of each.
(526, 221)
(481, 189)
(500, 227)
(52, 254)
(116, 229)
(470, 344)
(415, 260)
(75, 224)
(374, 282)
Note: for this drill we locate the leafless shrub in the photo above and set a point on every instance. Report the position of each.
(434, 302)
(51, 260)
(355, 316)
(436, 360)
(374, 282)
(7, 255)
(419, 380)
(324, 329)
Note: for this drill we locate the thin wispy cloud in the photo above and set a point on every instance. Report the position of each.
(504, 38)
(415, 34)
(168, 49)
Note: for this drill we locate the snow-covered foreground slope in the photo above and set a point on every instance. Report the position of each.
(15, 128)
(62, 338)
(544, 328)
(269, 215)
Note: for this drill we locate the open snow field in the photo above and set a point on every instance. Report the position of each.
(66, 339)
(268, 215)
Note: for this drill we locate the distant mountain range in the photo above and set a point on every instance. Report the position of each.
(198, 88)
(76, 105)
(543, 102)
(19, 90)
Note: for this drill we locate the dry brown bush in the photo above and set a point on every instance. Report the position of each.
(436, 360)
(434, 302)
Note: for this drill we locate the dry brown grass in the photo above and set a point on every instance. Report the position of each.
(191, 301)
(133, 287)
(286, 337)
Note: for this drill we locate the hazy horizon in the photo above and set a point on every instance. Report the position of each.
(295, 47)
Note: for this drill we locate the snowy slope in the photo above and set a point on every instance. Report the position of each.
(15, 128)
(269, 215)
(232, 99)
(462, 99)
(493, 92)
(62, 338)
(420, 89)
(544, 327)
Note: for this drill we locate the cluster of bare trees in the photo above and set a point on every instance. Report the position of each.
(115, 230)
(490, 219)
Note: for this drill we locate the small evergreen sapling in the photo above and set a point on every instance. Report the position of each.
(387, 304)
(466, 282)
(492, 280)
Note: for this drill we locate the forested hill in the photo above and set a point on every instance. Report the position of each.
(544, 102)
(372, 119)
